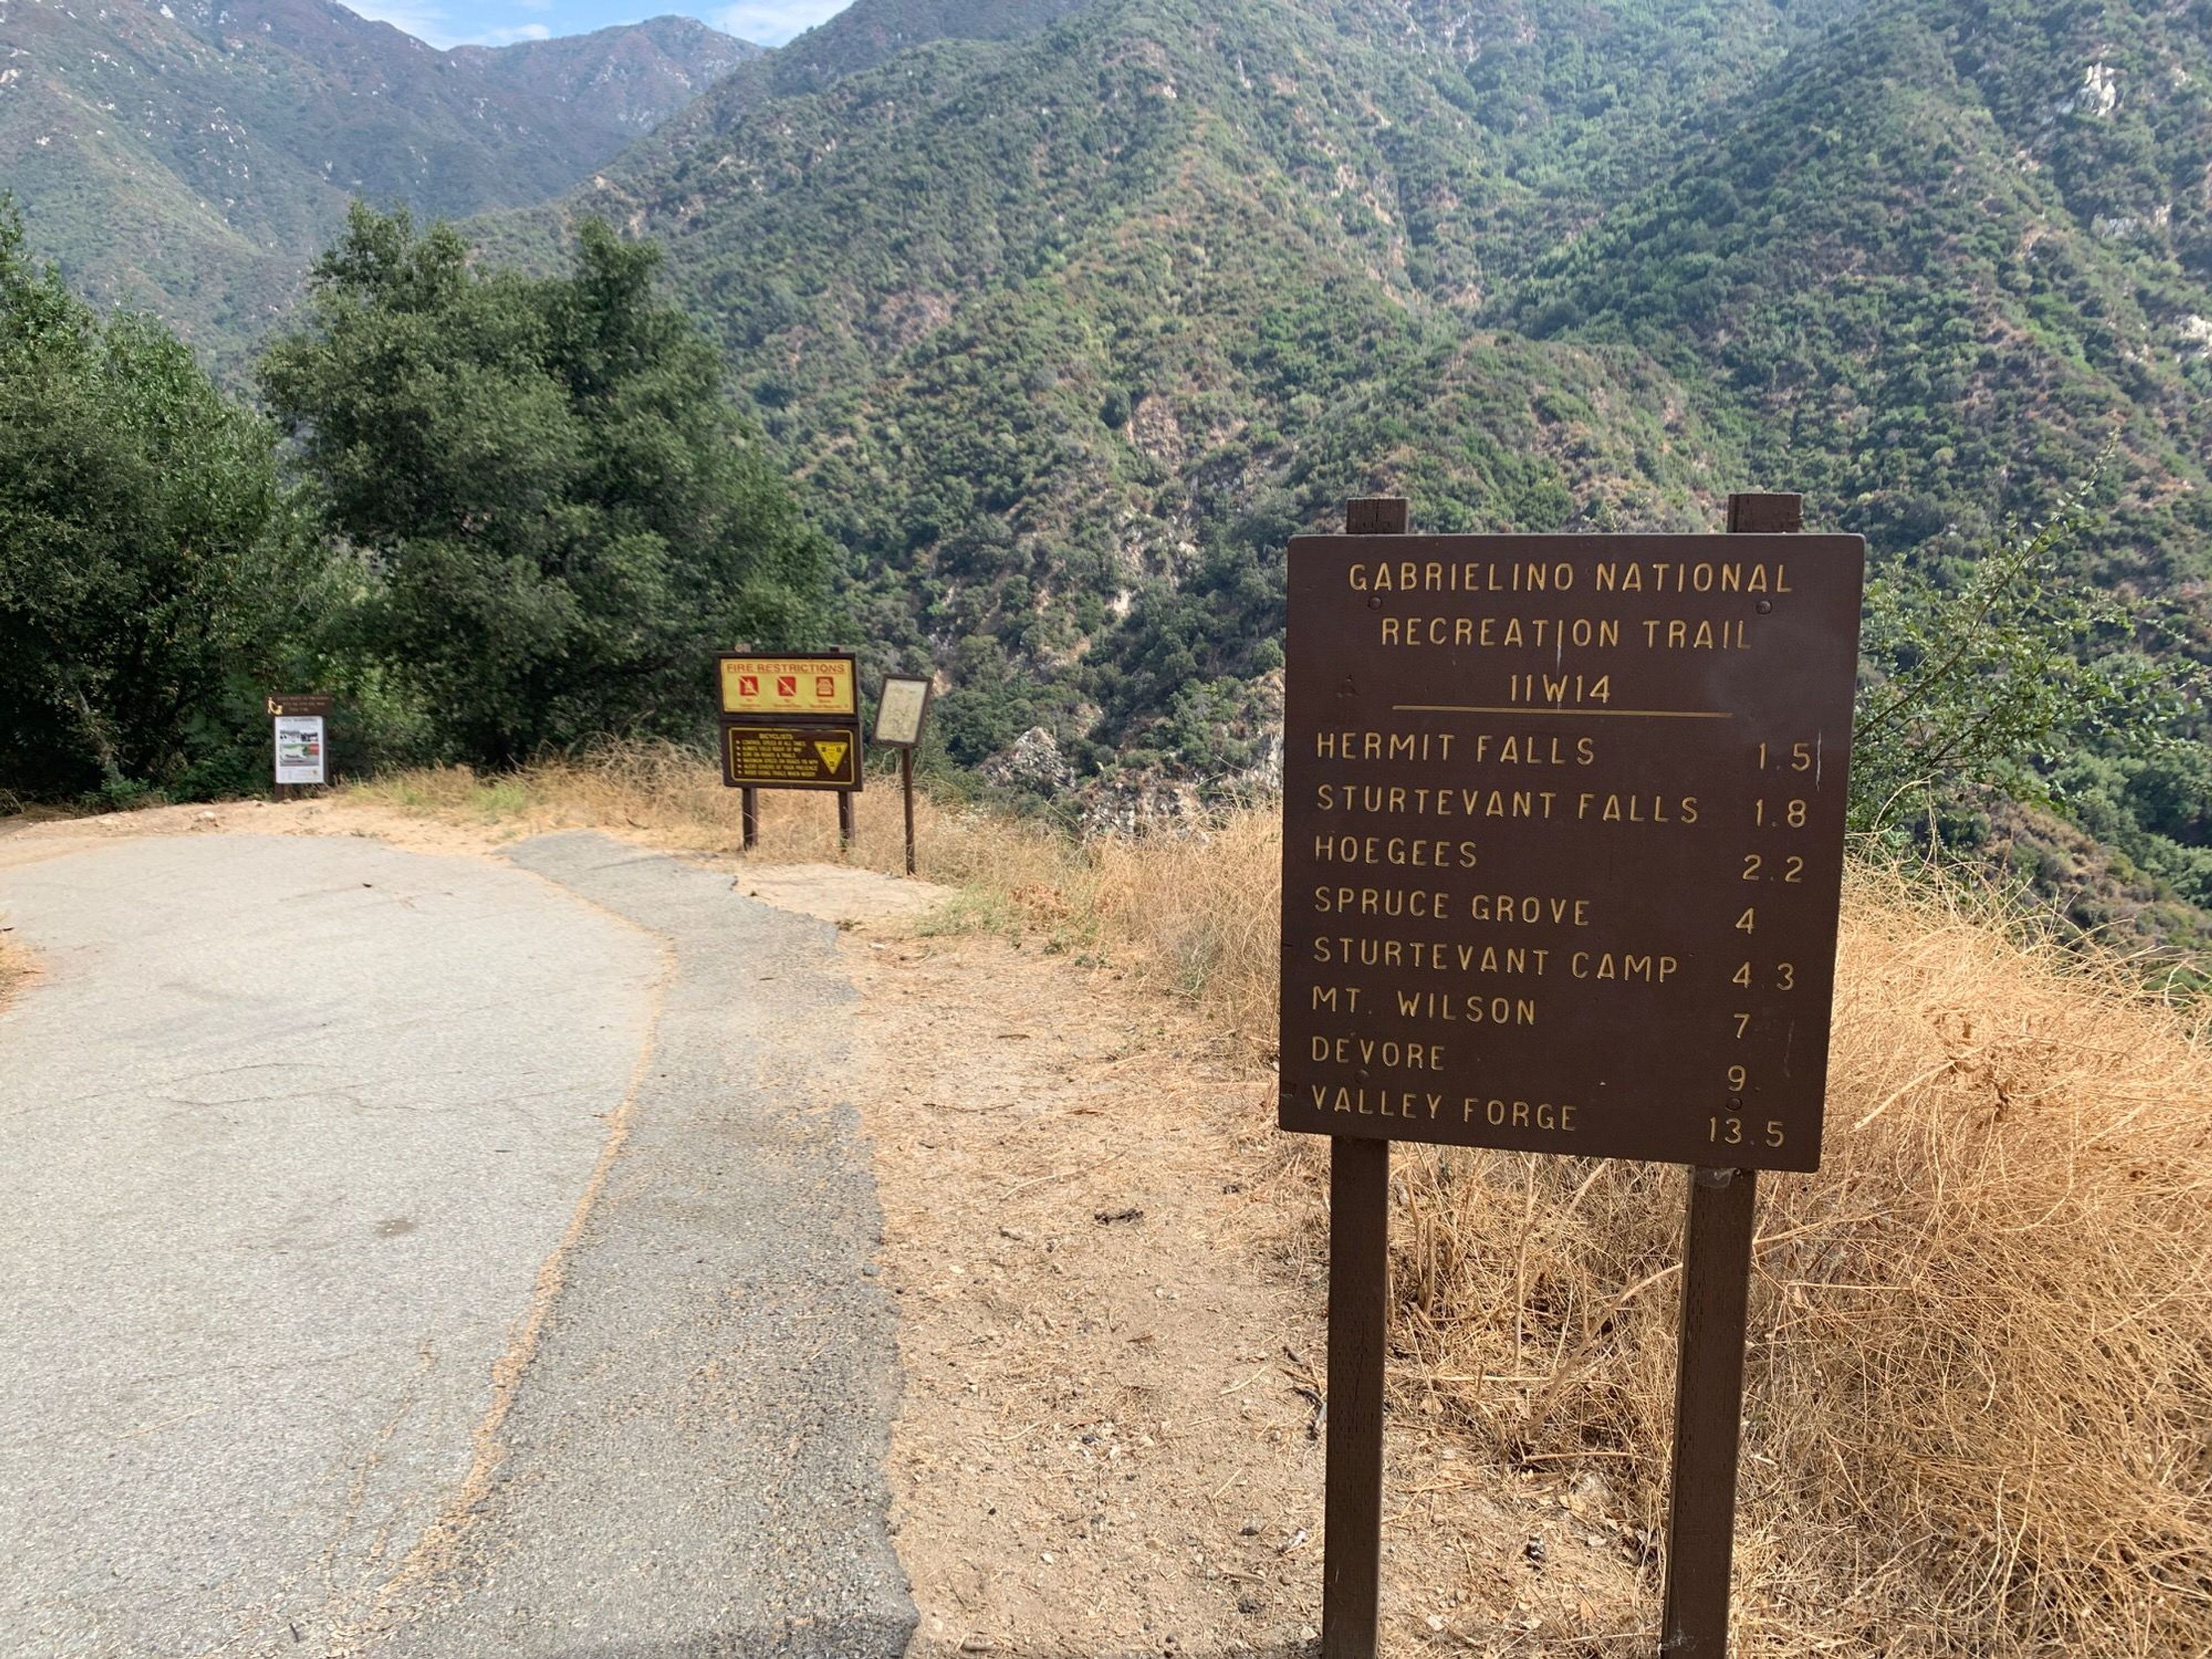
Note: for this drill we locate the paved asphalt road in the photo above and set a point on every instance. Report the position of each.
(408, 1256)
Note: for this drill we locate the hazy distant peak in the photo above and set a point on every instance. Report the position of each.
(192, 155)
(632, 74)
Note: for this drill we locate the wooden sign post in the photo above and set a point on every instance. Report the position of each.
(1563, 854)
(900, 708)
(790, 722)
(1717, 1238)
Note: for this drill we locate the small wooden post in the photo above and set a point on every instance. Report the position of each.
(1358, 1329)
(906, 783)
(749, 810)
(1708, 1346)
(1708, 1412)
(845, 832)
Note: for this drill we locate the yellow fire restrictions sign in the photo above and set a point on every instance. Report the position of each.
(819, 686)
(790, 757)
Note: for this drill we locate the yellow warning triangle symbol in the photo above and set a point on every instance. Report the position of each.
(833, 754)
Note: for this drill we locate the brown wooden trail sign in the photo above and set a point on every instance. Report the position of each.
(1564, 825)
(1563, 840)
(789, 756)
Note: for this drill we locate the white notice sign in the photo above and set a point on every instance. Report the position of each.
(899, 709)
(300, 748)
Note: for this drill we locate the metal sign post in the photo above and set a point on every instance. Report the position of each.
(1563, 854)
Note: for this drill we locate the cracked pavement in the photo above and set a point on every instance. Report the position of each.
(422, 1256)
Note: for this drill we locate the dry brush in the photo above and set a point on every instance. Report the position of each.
(1979, 1406)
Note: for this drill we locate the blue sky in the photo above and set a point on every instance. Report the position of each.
(495, 22)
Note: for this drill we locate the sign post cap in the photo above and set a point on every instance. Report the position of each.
(1376, 515)
(1751, 513)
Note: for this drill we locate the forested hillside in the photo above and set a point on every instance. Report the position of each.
(1065, 315)
(618, 82)
(192, 159)
(1906, 306)
(1067, 333)
(1068, 329)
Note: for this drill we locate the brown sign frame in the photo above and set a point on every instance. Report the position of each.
(884, 702)
(1631, 843)
(803, 663)
(847, 780)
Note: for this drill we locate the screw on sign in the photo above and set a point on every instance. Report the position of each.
(1563, 849)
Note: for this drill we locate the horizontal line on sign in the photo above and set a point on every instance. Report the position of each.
(1594, 714)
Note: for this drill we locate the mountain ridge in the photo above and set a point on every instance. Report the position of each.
(192, 158)
(1067, 331)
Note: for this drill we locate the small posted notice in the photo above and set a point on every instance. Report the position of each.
(300, 748)
(791, 757)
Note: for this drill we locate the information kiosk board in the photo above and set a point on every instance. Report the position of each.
(1563, 840)
(790, 720)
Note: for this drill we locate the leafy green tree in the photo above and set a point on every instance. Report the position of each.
(566, 515)
(1997, 677)
(153, 577)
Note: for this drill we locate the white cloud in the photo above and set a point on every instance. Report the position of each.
(508, 36)
(772, 22)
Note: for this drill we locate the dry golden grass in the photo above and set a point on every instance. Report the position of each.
(1005, 872)
(1980, 1381)
(1980, 1377)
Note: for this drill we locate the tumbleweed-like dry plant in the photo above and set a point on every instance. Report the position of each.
(15, 966)
(1979, 1401)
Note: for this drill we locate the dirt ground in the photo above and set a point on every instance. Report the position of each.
(1112, 1285)
(1111, 1271)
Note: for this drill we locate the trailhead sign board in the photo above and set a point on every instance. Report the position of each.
(1564, 840)
(820, 687)
(300, 738)
(300, 748)
(901, 707)
(790, 721)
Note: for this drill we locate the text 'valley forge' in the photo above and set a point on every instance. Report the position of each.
(1563, 836)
